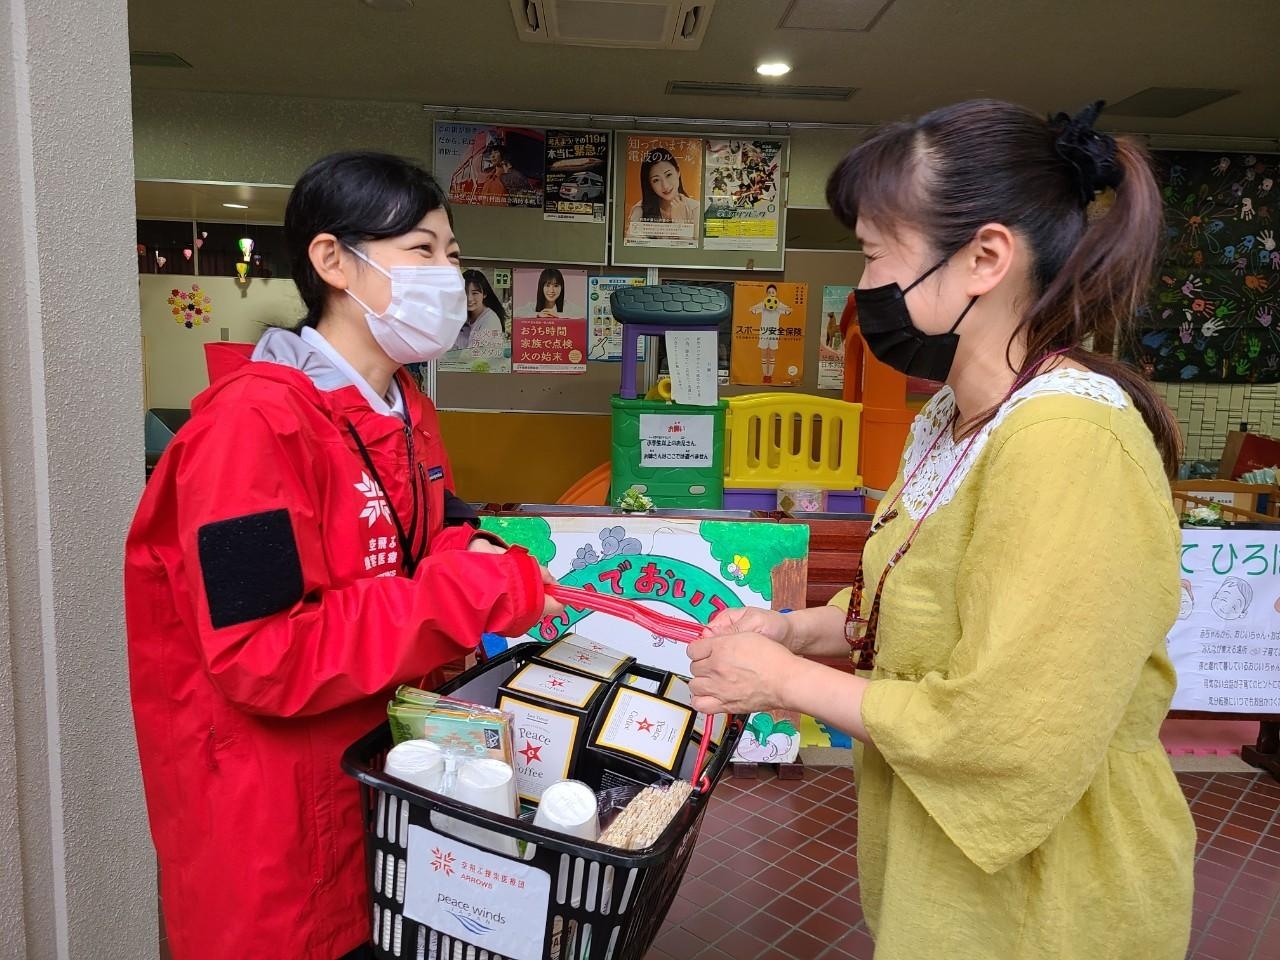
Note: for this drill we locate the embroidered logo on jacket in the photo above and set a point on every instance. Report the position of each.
(375, 500)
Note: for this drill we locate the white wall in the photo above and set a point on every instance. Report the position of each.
(71, 468)
(174, 355)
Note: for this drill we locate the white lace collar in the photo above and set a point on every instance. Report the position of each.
(934, 424)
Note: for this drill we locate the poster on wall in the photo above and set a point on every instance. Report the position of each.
(482, 165)
(550, 330)
(577, 166)
(604, 333)
(1212, 316)
(662, 186)
(724, 336)
(768, 333)
(484, 342)
(1225, 644)
(831, 343)
(741, 189)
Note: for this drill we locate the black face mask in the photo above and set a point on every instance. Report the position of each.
(885, 323)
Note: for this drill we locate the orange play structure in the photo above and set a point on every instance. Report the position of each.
(592, 490)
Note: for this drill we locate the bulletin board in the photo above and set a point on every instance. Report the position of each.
(522, 235)
(694, 257)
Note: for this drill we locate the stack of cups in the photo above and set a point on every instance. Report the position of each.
(489, 785)
(569, 807)
(419, 762)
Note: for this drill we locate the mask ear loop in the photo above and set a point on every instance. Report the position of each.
(366, 259)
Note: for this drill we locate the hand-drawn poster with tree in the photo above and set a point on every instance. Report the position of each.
(1212, 316)
(686, 568)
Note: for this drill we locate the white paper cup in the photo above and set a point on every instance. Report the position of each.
(490, 785)
(419, 762)
(569, 807)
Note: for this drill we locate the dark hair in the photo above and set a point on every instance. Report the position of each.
(771, 286)
(985, 161)
(650, 204)
(356, 196)
(550, 273)
(477, 279)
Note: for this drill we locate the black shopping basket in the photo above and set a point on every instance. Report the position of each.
(601, 903)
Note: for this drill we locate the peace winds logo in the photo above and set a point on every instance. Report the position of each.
(375, 504)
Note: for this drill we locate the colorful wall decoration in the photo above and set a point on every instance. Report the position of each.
(1212, 315)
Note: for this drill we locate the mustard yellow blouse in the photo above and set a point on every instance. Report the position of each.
(1016, 802)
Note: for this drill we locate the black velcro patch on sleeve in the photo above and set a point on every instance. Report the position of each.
(250, 567)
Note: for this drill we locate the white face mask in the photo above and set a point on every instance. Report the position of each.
(428, 307)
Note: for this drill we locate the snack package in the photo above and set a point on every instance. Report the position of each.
(467, 729)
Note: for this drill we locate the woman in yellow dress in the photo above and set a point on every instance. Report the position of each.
(1022, 573)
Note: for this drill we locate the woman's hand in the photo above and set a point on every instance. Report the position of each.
(483, 545)
(772, 624)
(739, 673)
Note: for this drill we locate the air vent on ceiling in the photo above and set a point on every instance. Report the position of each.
(847, 16)
(1167, 102)
(151, 58)
(779, 91)
(644, 24)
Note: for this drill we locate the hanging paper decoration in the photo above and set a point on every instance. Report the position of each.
(199, 242)
(204, 234)
(242, 268)
(257, 259)
(161, 261)
(142, 249)
(186, 253)
(191, 308)
(246, 247)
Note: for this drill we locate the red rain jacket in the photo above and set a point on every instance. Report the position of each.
(269, 615)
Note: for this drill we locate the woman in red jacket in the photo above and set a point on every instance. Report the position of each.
(299, 552)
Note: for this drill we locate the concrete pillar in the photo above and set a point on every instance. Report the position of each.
(77, 870)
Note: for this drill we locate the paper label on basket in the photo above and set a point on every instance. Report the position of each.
(644, 726)
(647, 684)
(544, 740)
(586, 656)
(551, 684)
(487, 901)
(678, 690)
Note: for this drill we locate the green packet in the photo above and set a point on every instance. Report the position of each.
(484, 733)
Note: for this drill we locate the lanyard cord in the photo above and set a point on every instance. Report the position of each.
(406, 549)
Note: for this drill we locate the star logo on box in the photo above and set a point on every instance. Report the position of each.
(583, 658)
(555, 682)
(644, 725)
(441, 862)
(531, 753)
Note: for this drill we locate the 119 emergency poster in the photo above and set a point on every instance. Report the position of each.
(577, 175)
(768, 333)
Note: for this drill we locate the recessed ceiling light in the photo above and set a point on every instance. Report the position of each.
(389, 4)
(237, 206)
(775, 68)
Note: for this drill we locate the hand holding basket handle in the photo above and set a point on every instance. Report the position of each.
(682, 631)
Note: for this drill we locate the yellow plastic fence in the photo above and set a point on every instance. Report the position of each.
(774, 438)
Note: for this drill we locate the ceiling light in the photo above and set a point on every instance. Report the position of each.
(237, 206)
(774, 69)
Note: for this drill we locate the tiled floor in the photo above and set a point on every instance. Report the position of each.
(774, 874)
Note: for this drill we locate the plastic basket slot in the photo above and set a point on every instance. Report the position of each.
(404, 825)
(401, 871)
(386, 929)
(389, 878)
(575, 898)
(626, 893)
(613, 943)
(382, 815)
(393, 818)
(424, 936)
(562, 879)
(593, 885)
(606, 891)
(377, 871)
(397, 935)
(377, 922)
